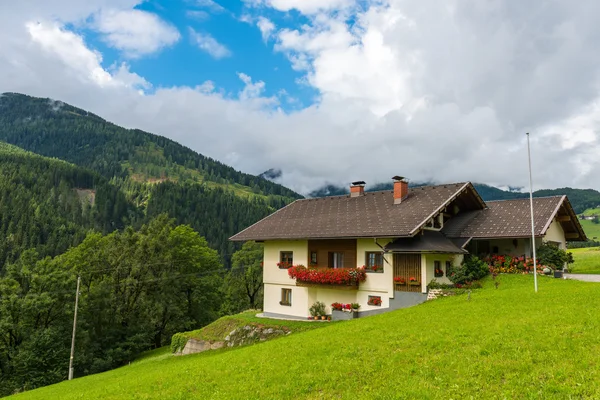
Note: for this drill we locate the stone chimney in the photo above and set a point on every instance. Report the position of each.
(357, 189)
(400, 189)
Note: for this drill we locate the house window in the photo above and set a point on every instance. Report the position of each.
(374, 301)
(286, 297)
(373, 261)
(336, 260)
(437, 272)
(313, 258)
(286, 259)
(448, 268)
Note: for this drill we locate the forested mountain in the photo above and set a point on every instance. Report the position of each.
(55, 129)
(48, 205)
(131, 175)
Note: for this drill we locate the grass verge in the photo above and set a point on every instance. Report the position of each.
(507, 342)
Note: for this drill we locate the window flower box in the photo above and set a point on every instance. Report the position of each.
(399, 280)
(374, 301)
(348, 278)
(412, 281)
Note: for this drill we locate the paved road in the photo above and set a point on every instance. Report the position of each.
(583, 277)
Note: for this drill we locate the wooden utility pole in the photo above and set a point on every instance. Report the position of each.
(74, 329)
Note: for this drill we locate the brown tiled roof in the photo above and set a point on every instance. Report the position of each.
(428, 242)
(371, 215)
(512, 218)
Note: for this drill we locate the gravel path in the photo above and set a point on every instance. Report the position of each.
(583, 277)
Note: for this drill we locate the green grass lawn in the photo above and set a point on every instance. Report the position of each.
(587, 260)
(504, 343)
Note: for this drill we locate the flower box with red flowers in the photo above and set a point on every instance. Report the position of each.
(374, 301)
(284, 265)
(413, 281)
(344, 311)
(399, 280)
(337, 277)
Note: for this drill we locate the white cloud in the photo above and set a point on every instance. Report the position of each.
(266, 27)
(303, 6)
(210, 4)
(209, 44)
(197, 15)
(411, 88)
(135, 32)
(70, 49)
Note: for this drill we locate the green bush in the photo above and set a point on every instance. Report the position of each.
(471, 269)
(549, 254)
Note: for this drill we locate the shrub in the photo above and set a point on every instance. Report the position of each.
(471, 269)
(434, 284)
(317, 309)
(552, 256)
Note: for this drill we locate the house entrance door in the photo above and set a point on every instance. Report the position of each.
(407, 266)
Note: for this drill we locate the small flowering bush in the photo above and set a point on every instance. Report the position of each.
(498, 264)
(331, 276)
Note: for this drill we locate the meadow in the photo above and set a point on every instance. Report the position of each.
(587, 260)
(499, 342)
(591, 229)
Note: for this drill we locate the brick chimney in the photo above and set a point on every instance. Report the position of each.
(400, 189)
(357, 189)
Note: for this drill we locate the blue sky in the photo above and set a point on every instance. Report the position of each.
(232, 24)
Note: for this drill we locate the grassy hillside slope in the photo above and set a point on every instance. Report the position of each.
(591, 229)
(503, 343)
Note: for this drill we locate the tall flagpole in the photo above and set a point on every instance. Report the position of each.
(532, 223)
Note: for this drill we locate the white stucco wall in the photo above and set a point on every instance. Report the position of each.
(272, 249)
(428, 267)
(300, 299)
(380, 282)
(556, 234)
